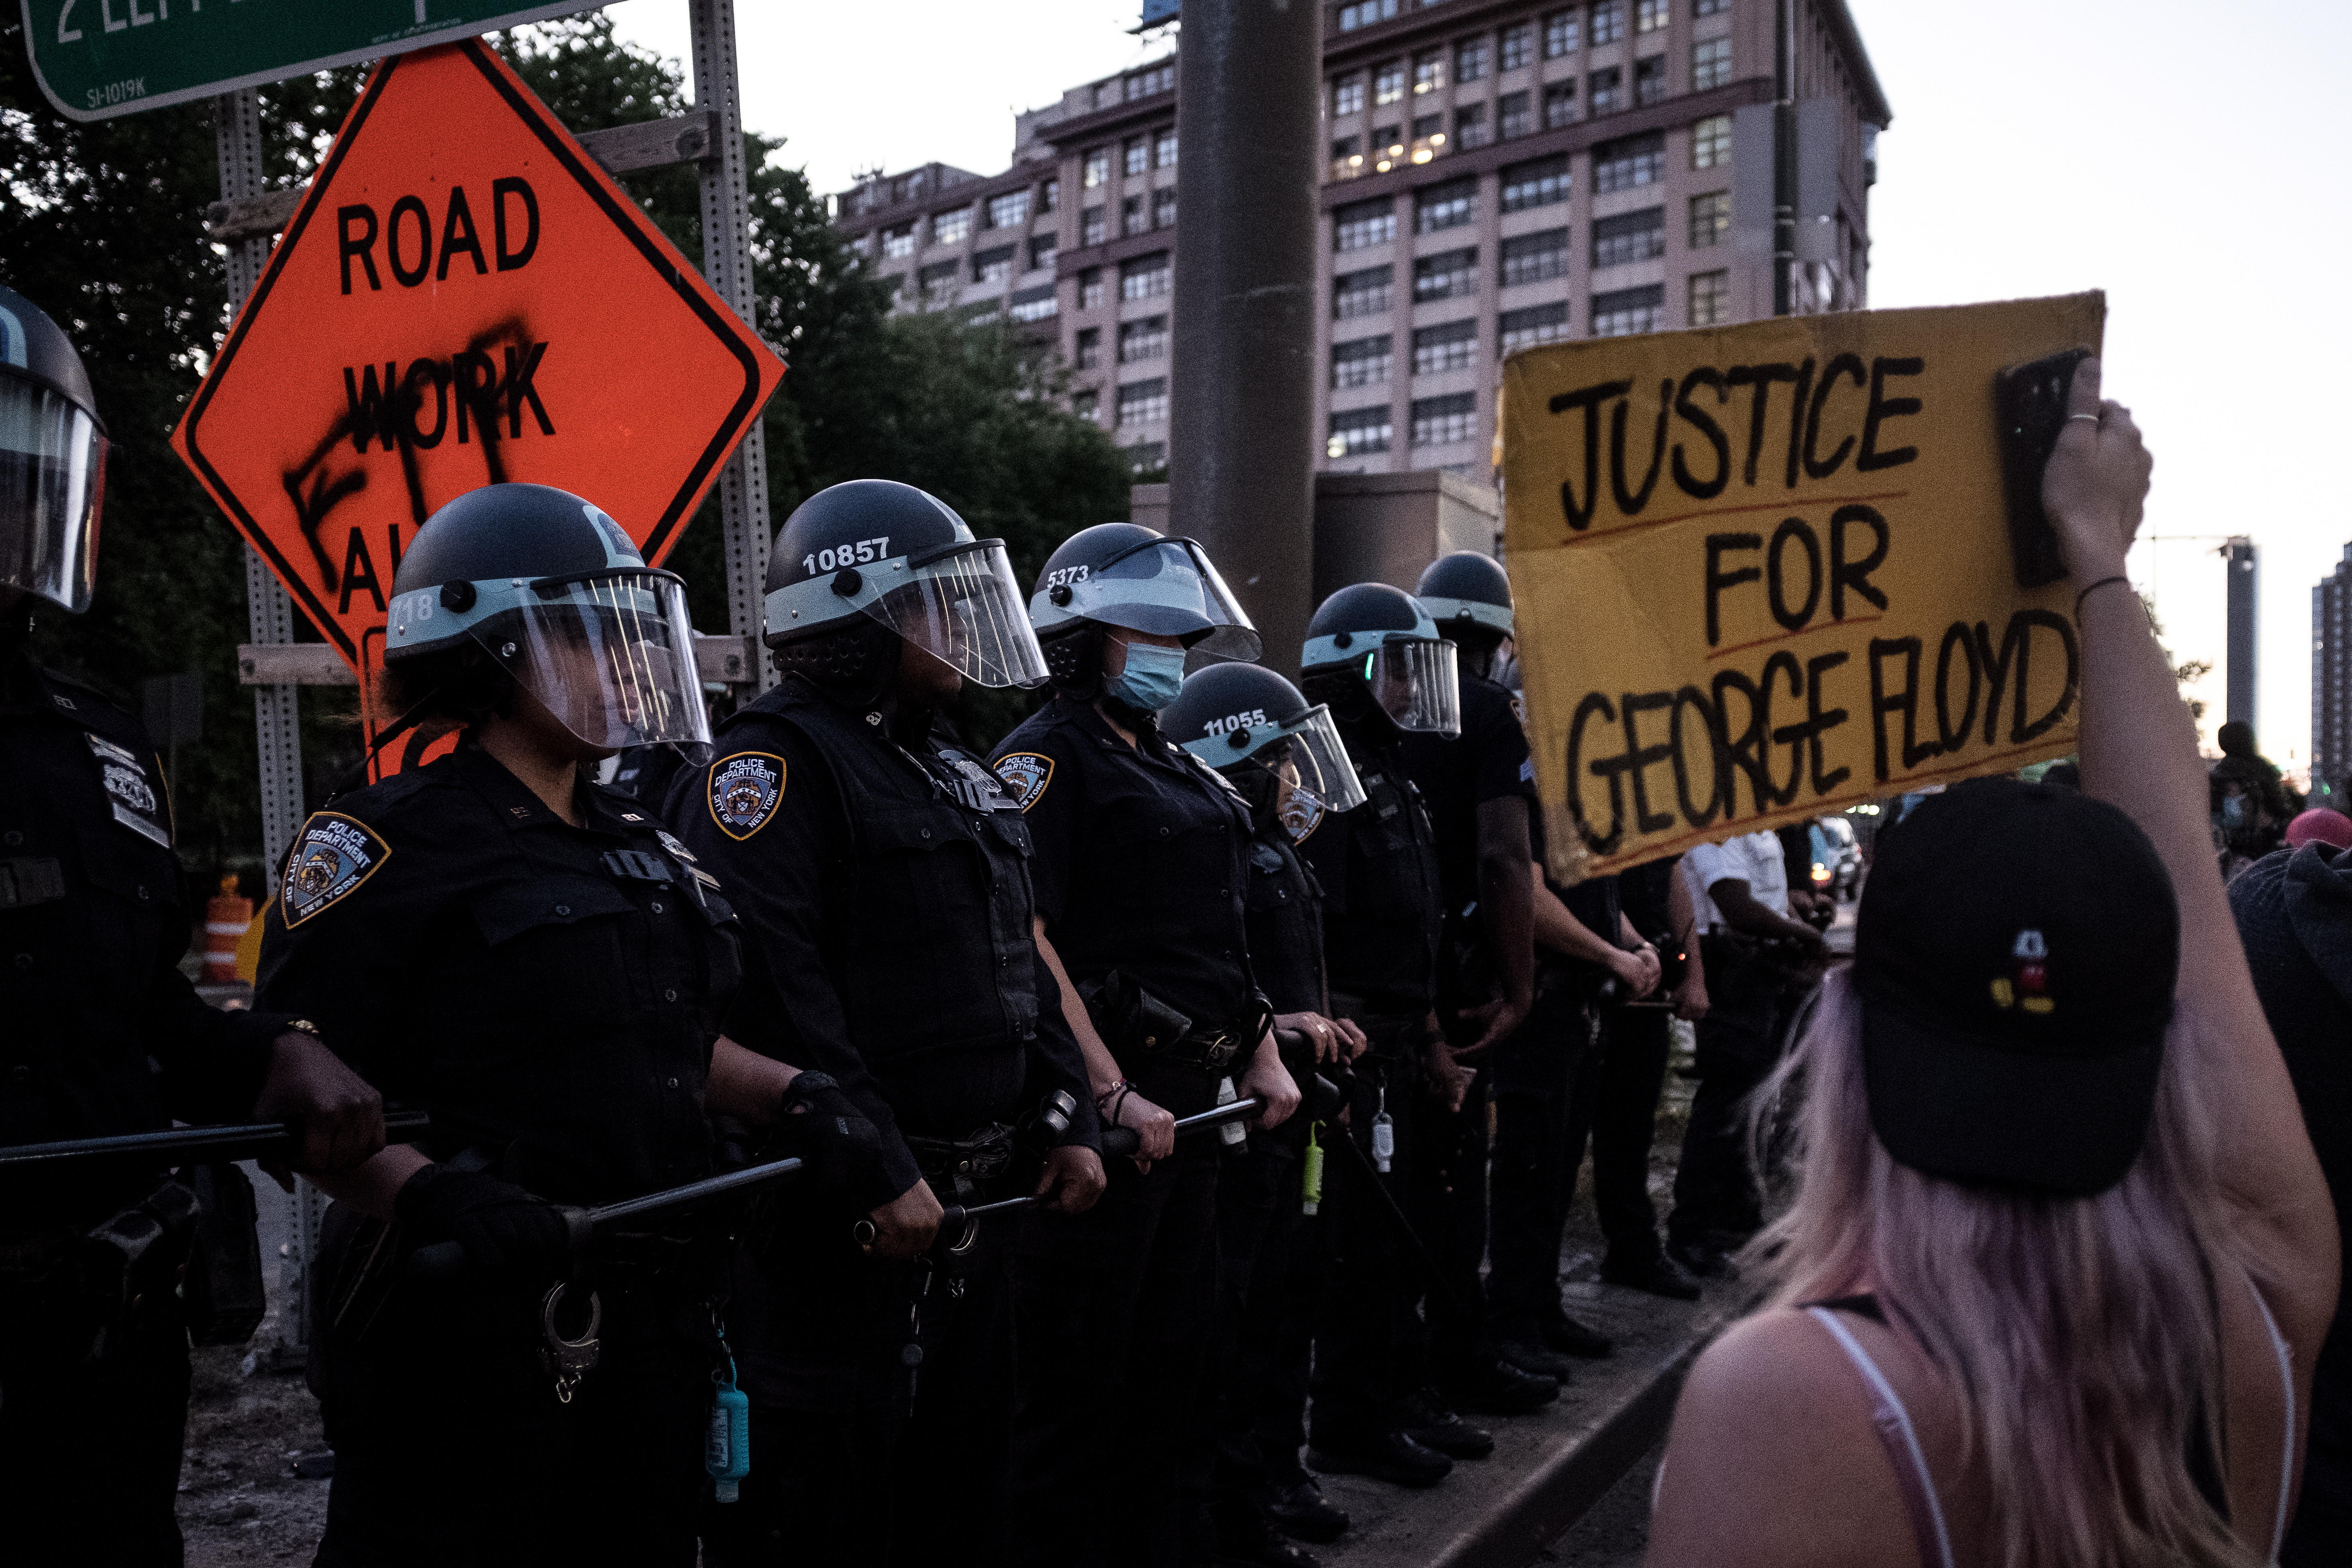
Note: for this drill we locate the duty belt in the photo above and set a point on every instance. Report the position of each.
(1211, 1052)
(985, 1155)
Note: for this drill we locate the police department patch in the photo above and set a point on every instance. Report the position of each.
(1026, 774)
(332, 857)
(744, 790)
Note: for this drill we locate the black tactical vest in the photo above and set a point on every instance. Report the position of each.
(1381, 900)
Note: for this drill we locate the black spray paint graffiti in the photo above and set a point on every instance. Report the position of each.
(483, 396)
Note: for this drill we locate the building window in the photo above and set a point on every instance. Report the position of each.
(1440, 421)
(1147, 457)
(1709, 7)
(1036, 304)
(1650, 80)
(1388, 81)
(1010, 210)
(1131, 216)
(1359, 431)
(1560, 104)
(1608, 21)
(1387, 150)
(1164, 148)
(1347, 158)
(1364, 294)
(1086, 405)
(1629, 311)
(1710, 219)
(1532, 258)
(1145, 277)
(1041, 250)
(1143, 402)
(898, 242)
(1470, 128)
(1361, 362)
(1629, 161)
(1652, 16)
(1361, 223)
(1537, 183)
(1629, 236)
(1519, 45)
(1159, 79)
(1105, 94)
(1710, 299)
(1428, 72)
(1536, 324)
(1711, 143)
(1090, 348)
(1470, 59)
(1449, 347)
(1710, 65)
(951, 228)
(937, 282)
(1146, 339)
(1449, 205)
(1512, 116)
(1135, 157)
(1604, 91)
(1561, 31)
(1163, 208)
(1090, 289)
(1097, 168)
(1091, 227)
(1049, 197)
(1449, 275)
(1364, 13)
(1348, 94)
(993, 265)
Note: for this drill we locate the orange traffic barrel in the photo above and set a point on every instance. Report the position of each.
(226, 918)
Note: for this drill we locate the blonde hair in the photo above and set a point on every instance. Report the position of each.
(2079, 1335)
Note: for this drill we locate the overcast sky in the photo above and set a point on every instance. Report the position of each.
(2183, 156)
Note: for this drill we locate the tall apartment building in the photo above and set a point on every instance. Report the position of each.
(1501, 172)
(2331, 678)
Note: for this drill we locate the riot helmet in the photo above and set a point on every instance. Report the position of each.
(554, 592)
(1375, 656)
(860, 566)
(1252, 726)
(52, 460)
(1125, 574)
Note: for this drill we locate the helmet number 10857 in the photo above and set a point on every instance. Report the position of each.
(863, 553)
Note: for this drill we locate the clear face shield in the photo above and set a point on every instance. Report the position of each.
(1168, 586)
(52, 484)
(1310, 766)
(1415, 680)
(962, 606)
(611, 654)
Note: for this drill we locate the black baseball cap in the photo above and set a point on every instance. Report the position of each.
(2015, 955)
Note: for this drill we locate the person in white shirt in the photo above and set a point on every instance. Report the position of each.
(1758, 963)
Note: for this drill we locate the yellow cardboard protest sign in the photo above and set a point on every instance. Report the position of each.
(1763, 572)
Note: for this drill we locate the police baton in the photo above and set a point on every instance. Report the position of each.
(272, 1141)
(445, 1260)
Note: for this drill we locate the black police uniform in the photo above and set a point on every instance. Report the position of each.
(1614, 1095)
(1456, 775)
(1382, 912)
(1140, 871)
(883, 882)
(550, 993)
(103, 1035)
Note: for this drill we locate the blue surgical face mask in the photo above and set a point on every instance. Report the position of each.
(1152, 677)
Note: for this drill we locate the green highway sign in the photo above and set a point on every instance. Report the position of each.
(98, 58)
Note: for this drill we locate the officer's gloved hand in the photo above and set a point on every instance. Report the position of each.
(818, 1122)
(505, 1230)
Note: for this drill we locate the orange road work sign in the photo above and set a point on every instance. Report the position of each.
(463, 298)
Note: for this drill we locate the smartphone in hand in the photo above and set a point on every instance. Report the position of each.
(2029, 410)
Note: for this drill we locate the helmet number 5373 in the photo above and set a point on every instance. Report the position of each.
(863, 552)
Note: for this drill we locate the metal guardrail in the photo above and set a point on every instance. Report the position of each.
(732, 659)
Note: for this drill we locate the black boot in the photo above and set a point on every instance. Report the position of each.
(1429, 1423)
(1389, 1455)
(1298, 1508)
(1498, 1388)
(1566, 1335)
(1657, 1274)
(1247, 1539)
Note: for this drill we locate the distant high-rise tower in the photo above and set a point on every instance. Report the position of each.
(2240, 702)
(2331, 679)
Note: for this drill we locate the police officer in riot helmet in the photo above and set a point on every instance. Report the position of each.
(105, 1036)
(882, 876)
(1140, 867)
(1285, 759)
(1385, 1402)
(531, 957)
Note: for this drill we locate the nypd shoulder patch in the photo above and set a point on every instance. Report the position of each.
(744, 790)
(1026, 775)
(333, 857)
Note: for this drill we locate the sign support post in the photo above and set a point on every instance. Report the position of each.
(727, 263)
(277, 710)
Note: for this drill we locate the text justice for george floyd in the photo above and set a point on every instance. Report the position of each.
(1735, 722)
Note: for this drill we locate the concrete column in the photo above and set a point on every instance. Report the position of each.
(1241, 437)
